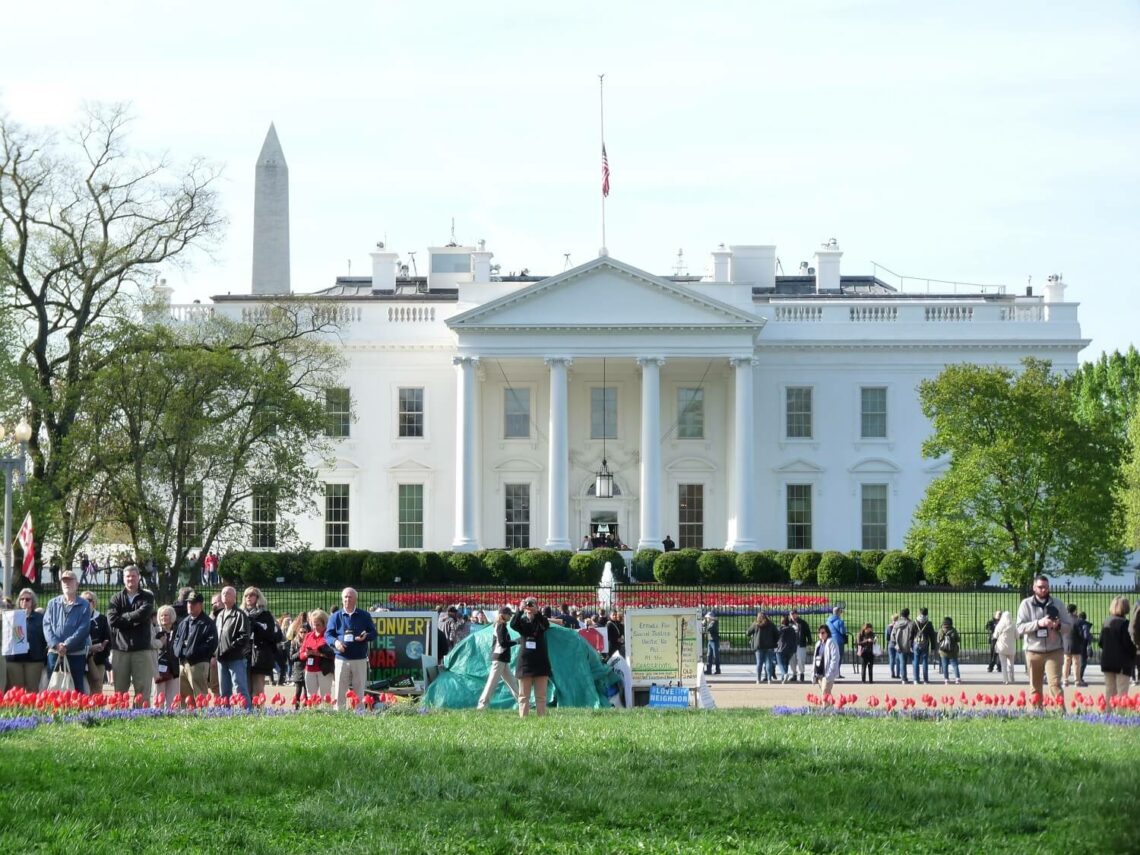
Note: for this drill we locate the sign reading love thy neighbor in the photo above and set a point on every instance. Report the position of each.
(663, 646)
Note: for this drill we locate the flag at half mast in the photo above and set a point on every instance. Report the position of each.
(605, 172)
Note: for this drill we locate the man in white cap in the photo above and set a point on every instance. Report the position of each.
(712, 642)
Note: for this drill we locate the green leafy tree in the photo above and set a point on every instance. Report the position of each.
(1131, 492)
(1032, 486)
(84, 223)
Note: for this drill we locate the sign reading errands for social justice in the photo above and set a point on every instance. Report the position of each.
(402, 641)
(663, 645)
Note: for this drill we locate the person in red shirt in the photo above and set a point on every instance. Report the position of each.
(318, 657)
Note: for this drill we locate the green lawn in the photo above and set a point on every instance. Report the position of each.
(576, 781)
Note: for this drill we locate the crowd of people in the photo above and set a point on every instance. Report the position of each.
(1056, 642)
(181, 651)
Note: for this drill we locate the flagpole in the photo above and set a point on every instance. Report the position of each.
(602, 126)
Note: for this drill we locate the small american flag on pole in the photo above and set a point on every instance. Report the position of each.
(28, 544)
(605, 172)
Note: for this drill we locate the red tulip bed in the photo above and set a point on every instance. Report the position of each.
(23, 710)
(721, 602)
(1121, 710)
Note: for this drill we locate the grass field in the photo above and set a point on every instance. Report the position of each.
(578, 782)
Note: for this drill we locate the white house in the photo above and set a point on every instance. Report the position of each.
(744, 409)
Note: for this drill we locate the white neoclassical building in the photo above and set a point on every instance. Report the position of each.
(741, 409)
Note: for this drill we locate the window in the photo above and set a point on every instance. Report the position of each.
(337, 412)
(518, 516)
(603, 412)
(190, 516)
(516, 414)
(799, 412)
(691, 413)
(411, 412)
(799, 516)
(264, 518)
(874, 516)
(411, 522)
(873, 412)
(691, 516)
(451, 262)
(336, 516)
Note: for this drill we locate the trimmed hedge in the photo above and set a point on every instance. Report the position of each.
(835, 569)
(336, 569)
(897, 569)
(643, 561)
(718, 567)
(804, 567)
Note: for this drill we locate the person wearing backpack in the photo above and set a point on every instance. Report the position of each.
(903, 632)
(1083, 629)
(949, 643)
(925, 636)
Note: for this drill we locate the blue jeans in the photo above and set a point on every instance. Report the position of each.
(765, 664)
(782, 659)
(893, 659)
(233, 674)
(712, 657)
(946, 663)
(904, 663)
(922, 657)
(77, 663)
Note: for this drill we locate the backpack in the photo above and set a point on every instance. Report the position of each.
(922, 639)
(948, 639)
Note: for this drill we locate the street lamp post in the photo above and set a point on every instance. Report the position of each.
(12, 466)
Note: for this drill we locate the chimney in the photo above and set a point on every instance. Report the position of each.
(721, 259)
(481, 263)
(1055, 289)
(384, 266)
(827, 268)
(754, 265)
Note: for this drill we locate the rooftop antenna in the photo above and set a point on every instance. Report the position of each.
(412, 256)
(680, 268)
(350, 267)
(565, 261)
(453, 243)
(779, 267)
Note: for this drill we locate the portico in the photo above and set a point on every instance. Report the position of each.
(552, 340)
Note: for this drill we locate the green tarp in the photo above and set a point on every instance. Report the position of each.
(579, 678)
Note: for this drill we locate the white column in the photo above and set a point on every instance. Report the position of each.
(465, 486)
(742, 535)
(558, 465)
(650, 536)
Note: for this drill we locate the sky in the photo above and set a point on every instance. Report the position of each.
(978, 142)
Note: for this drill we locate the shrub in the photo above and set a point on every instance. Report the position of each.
(499, 566)
(718, 566)
(804, 567)
(949, 567)
(897, 569)
(464, 568)
(835, 569)
(870, 560)
(785, 558)
(643, 563)
(760, 567)
(379, 569)
(677, 567)
(583, 569)
(537, 567)
(562, 566)
(407, 568)
(352, 567)
(434, 569)
(323, 568)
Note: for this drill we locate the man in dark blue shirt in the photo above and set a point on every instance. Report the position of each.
(349, 633)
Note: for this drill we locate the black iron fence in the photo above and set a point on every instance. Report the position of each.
(734, 605)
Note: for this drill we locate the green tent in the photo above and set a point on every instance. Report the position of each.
(579, 677)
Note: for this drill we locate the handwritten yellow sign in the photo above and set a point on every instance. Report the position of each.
(662, 645)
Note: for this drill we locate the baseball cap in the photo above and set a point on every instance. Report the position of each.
(196, 597)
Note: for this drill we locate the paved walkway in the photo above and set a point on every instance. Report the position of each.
(736, 686)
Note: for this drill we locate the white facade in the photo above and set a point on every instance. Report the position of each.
(755, 345)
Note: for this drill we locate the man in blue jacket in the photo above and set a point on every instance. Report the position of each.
(349, 633)
(67, 626)
(838, 630)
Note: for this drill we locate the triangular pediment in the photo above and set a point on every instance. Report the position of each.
(605, 294)
(409, 465)
(874, 465)
(799, 467)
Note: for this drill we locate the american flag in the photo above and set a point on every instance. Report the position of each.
(28, 544)
(605, 172)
